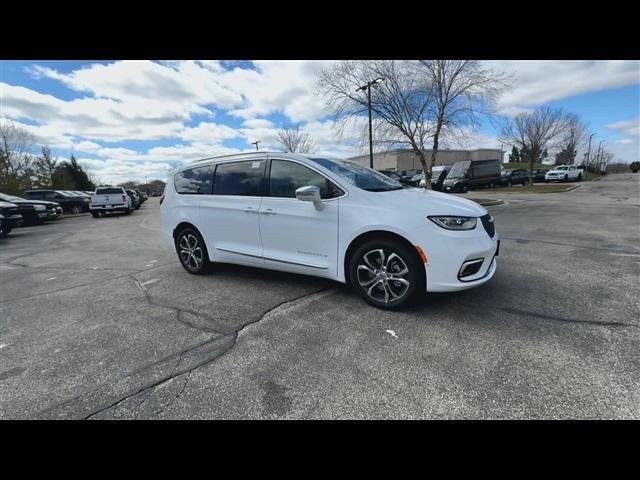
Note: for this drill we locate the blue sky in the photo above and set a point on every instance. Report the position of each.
(127, 120)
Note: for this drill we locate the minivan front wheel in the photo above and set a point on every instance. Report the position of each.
(192, 251)
(386, 273)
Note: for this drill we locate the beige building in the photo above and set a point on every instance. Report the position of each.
(404, 160)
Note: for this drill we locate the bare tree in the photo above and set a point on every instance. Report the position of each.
(573, 139)
(462, 91)
(400, 104)
(16, 159)
(417, 101)
(295, 141)
(534, 132)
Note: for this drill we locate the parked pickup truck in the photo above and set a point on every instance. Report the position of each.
(563, 173)
(110, 199)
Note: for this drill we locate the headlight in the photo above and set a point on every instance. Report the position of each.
(455, 223)
(39, 207)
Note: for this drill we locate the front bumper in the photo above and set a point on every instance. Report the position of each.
(12, 221)
(447, 256)
(48, 215)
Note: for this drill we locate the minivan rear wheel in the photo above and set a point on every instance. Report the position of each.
(386, 273)
(192, 251)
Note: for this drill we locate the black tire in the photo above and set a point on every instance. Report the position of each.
(580, 177)
(192, 251)
(546, 181)
(128, 211)
(374, 292)
(5, 231)
(509, 184)
(95, 214)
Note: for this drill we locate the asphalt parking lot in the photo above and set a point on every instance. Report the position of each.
(99, 320)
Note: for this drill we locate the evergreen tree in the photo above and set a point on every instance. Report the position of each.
(45, 167)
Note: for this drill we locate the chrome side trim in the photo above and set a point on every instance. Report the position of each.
(273, 259)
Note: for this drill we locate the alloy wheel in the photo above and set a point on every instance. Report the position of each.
(190, 251)
(383, 275)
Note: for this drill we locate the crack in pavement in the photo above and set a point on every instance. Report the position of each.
(517, 311)
(93, 282)
(224, 349)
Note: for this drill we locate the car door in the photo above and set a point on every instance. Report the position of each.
(299, 236)
(229, 215)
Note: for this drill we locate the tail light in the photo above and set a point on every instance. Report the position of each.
(161, 199)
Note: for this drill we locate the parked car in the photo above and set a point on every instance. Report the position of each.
(69, 203)
(110, 199)
(398, 177)
(468, 175)
(33, 212)
(135, 199)
(142, 195)
(538, 174)
(330, 218)
(514, 176)
(10, 218)
(563, 173)
(438, 175)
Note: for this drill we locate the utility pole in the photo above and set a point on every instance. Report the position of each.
(256, 144)
(367, 87)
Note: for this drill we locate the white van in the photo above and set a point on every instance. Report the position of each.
(329, 218)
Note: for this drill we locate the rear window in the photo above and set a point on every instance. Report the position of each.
(194, 181)
(108, 191)
(239, 178)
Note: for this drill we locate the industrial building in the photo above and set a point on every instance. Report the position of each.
(406, 162)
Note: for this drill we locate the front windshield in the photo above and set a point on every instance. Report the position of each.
(458, 170)
(359, 175)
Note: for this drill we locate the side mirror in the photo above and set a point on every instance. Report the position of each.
(310, 194)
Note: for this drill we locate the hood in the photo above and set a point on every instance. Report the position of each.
(553, 170)
(434, 203)
(23, 201)
(6, 204)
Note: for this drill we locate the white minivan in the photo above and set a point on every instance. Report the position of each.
(329, 218)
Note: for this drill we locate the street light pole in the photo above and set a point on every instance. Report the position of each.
(256, 144)
(598, 156)
(367, 87)
(589, 151)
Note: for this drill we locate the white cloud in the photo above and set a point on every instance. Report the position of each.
(541, 81)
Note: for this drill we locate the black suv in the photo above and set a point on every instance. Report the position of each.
(9, 218)
(515, 176)
(538, 175)
(68, 202)
(34, 212)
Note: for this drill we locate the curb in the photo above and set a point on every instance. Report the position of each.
(486, 202)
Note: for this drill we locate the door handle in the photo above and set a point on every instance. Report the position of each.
(268, 211)
(250, 210)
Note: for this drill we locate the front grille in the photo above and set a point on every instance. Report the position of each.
(487, 223)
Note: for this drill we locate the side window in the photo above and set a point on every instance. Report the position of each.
(35, 195)
(239, 178)
(286, 177)
(194, 181)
